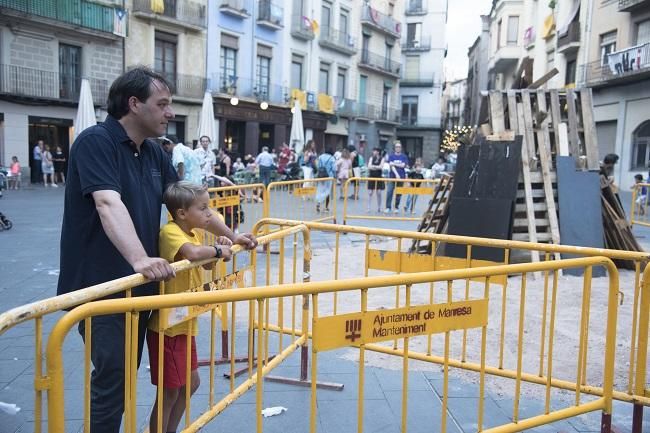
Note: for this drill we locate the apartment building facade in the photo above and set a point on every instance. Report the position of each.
(44, 54)
(453, 104)
(477, 73)
(617, 68)
(170, 37)
(420, 86)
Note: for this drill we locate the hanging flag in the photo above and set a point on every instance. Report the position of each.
(306, 22)
(315, 27)
(158, 6)
(119, 22)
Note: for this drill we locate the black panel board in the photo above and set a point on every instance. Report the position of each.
(489, 170)
(581, 222)
(484, 218)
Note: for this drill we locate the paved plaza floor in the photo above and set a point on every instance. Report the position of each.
(29, 262)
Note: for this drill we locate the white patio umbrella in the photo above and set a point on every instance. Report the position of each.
(86, 110)
(206, 121)
(297, 136)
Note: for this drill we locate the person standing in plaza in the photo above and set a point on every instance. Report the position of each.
(59, 165)
(397, 162)
(265, 163)
(206, 159)
(111, 221)
(47, 166)
(375, 164)
(343, 170)
(326, 168)
(185, 161)
(37, 157)
(308, 160)
(223, 164)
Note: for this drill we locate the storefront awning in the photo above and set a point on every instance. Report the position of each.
(338, 128)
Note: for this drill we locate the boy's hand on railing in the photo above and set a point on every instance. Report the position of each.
(246, 240)
(226, 254)
(222, 240)
(154, 268)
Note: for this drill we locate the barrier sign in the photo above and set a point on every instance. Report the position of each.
(308, 190)
(374, 326)
(227, 201)
(173, 316)
(413, 190)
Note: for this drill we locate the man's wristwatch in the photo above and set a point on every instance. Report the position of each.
(217, 253)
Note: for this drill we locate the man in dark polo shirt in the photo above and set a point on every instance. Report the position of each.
(113, 198)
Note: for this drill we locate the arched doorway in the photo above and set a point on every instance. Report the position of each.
(641, 146)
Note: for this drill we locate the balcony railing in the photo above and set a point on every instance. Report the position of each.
(34, 83)
(301, 28)
(379, 21)
(628, 64)
(270, 14)
(186, 86)
(235, 8)
(420, 122)
(337, 40)
(79, 13)
(252, 88)
(379, 63)
(406, 81)
(178, 11)
(422, 44)
(572, 36)
(630, 5)
(416, 7)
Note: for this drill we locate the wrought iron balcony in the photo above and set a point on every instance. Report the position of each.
(378, 63)
(17, 81)
(80, 13)
(627, 65)
(270, 15)
(235, 8)
(570, 40)
(419, 81)
(632, 5)
(381, 22)
(301, 28)
(416, 7)
(180, 12)
(251, 88)
(417, 45)
(337, 40)
(186, 86)
(420, 122)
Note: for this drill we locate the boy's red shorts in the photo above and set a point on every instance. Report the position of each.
(174, 361)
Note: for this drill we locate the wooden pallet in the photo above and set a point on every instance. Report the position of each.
(434, 219)
(554, 122)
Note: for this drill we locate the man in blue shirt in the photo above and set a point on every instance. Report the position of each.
(111, 221)
(265, 163)
(398, 163)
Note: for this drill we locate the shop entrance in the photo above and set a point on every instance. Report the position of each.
(54, 132)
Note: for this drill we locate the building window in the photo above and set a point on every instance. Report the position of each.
(413, 34)
(499, 34)
(550, 60)
(324, 78)
(641, 146)
(228, 69)
(385, 102)
(341, 83)
(69, 71)
(165, 55)
(570, 73)
(643, 32)
(296, 71)
(263, 76)
(409, 110)
(607, 45)
(325, 17)
(513, 30)
(343, 22)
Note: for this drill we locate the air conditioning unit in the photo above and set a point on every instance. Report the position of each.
(362, 137)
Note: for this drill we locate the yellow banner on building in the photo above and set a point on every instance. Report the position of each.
(325, 103)
(374, 326)
(300, 96)
(548, 30)
(305, 191)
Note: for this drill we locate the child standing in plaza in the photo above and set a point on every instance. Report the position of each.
(641, 194)
(179, 239)
(416, 173)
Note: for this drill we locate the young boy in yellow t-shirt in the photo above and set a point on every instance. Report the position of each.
(179, 239)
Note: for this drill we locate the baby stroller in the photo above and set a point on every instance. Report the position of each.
(292, 172)
(5, 224)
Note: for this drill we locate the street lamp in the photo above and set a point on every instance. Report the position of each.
(234, 100)
(264, 105)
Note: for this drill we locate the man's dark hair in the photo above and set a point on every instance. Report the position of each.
(205, 136)
(134, 82)
(329, 150)
(638, 176)
(610, 158)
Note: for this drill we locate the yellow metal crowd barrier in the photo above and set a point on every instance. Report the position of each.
(392, 256)
(364, 328)
(639, 211)
(241, 206)
(304, 200)
(359, 204)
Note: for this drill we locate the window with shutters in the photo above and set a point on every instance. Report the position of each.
(513, 30)
(607, 45)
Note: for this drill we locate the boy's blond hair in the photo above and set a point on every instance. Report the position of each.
(181, 195)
